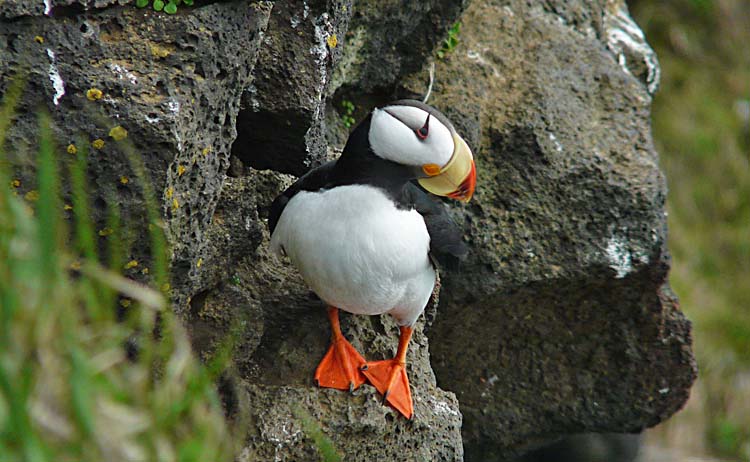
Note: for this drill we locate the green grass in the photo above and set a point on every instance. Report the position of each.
(326, 449)
(75, 383)
(704, 142)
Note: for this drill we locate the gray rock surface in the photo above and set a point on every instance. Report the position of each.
(567, 281)
(281, 125)
(561, 321)
(390, 40)
(174, 85)
(590, 447)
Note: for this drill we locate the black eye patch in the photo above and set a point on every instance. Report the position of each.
(425, 130)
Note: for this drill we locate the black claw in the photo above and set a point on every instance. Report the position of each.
(364, 367)
(351, 387)
(386, 395)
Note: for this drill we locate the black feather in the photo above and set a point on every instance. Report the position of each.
(446, 243)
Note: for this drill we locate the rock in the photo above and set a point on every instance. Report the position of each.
(174, 85)
(360, 427)
(390, 40)
(386, 42)
(57, 8)
(220, 303)
(590, 447)
(282, 123)
(566, 285)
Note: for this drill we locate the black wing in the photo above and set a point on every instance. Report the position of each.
(446, 243)
(313, 180)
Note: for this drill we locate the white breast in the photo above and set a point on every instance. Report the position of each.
(357, 251)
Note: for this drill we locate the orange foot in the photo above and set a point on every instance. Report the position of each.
(389, 377)
(340, 367)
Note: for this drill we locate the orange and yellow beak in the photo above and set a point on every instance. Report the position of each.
(456, 179)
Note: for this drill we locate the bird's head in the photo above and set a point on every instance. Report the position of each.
(414, 134)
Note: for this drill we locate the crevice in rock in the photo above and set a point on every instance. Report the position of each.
(266, 138)
(197, 302)
(227, 388)
(75, 9)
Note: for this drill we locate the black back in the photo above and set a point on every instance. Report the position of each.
(359, 165)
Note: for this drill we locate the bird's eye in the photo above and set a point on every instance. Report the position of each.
(425, 130)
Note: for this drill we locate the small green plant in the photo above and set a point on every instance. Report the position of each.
(451, 41)
(347, 115)
(170, 7)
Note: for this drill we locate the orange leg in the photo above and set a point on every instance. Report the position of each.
(389, 377)
(340, 367)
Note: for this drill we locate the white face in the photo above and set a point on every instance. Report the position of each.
(397, 133)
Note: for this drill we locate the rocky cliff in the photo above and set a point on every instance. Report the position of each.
(560, 321)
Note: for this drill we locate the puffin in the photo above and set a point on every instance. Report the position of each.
(365, 233)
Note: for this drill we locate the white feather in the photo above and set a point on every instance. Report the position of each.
(359, 252)
(393, 138)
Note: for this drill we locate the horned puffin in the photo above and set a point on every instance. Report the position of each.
(365, 237)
